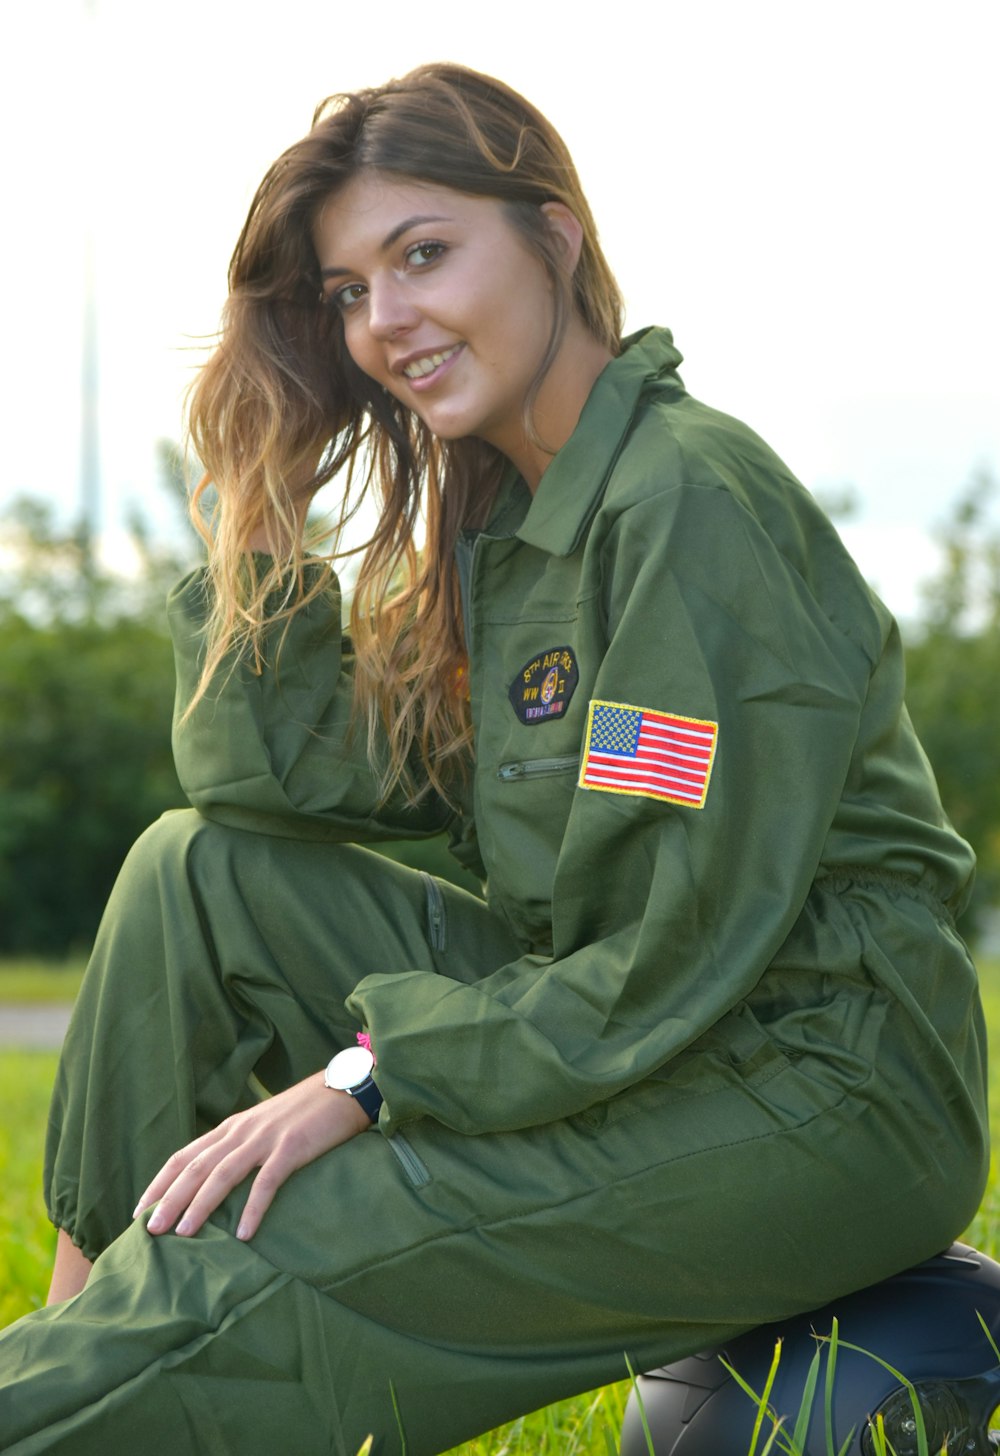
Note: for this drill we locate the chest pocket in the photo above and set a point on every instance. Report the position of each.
(529, 802)
(536, 768)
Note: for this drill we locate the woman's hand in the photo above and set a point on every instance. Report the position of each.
(277, 1136)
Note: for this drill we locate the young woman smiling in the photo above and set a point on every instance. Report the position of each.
(707, 1054)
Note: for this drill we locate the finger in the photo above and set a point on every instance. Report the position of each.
(200, 1188)
(215, 1188)
(293, 1151)
(260, 1197)
(174, 1167)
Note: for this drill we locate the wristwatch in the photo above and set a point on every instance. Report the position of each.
(350, 1071)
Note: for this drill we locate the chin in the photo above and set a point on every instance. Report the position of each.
(445, 428)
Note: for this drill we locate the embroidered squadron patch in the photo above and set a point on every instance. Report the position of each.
(629, 750)
(544, 686)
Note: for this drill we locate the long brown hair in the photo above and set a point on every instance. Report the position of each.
(281, 408)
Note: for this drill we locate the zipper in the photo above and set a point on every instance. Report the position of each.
(537, 767)
(437, 927)
(413, 1166)
(465, 555)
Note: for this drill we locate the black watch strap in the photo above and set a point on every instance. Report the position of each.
(350, 1071)
(368, 1096)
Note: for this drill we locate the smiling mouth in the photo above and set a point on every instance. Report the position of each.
(420, 368)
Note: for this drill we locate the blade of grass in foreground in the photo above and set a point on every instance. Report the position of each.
(642, 1409)
(918, 1415)
(806, 1405)
(760, 1400)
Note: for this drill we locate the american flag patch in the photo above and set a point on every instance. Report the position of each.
(630, 750)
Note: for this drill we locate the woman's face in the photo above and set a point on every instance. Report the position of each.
(442, 302)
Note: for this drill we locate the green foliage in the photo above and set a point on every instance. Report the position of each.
(953, 679)
(86, 696)
(85, 765)
(27, 1239)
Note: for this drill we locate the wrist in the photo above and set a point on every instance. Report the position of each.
(350, 1072)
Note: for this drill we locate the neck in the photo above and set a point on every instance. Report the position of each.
(560, 401)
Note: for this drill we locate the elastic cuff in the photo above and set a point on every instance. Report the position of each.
(62, 1226)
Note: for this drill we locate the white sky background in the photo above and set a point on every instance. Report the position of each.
(806, 193)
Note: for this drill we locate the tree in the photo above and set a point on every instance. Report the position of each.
(953, 679)
(86, 695)
(85, 765)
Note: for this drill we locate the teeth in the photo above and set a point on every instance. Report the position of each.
(419, 367)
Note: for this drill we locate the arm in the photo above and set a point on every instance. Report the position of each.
(276, 751)
(665, 916)
(276, 1137)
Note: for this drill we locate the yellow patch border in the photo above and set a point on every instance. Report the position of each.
(646, 793)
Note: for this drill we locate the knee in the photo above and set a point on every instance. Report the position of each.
(184, 853)
(169, 859)
(168, 839)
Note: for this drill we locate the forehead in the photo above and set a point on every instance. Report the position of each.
(373, 207)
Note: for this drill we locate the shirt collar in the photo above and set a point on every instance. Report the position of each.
(574, 482)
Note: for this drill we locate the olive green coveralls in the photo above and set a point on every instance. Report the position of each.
(712, 1054)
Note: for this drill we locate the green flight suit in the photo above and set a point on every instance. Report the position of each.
(712, 1054)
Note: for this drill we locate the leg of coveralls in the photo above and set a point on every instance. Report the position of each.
(222, 953)
(767, 1169)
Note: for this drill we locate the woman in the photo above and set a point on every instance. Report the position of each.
(712, 1054)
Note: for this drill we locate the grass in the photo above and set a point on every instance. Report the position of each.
(27, 1239)
(585, 1426)
(31, 980)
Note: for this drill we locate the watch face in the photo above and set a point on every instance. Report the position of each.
(349, 1068)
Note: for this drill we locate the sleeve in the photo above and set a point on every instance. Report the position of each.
(665, 915)
(276, 751)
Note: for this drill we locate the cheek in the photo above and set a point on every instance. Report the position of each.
(525, 310)
(362, 350)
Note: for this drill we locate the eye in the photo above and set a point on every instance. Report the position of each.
(423, 253)
(346, 297)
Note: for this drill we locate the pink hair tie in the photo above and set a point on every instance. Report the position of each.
(365, 1041)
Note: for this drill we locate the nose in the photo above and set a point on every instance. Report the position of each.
(390, 309)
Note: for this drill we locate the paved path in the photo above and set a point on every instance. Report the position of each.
(33, 1027)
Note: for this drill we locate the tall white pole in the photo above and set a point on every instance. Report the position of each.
(90, 458)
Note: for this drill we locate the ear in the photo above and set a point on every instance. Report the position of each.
(567, 232)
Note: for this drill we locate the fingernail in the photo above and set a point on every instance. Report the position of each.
(137, 1210)
(184, 1227)
(242, 1232)
(155, 1223)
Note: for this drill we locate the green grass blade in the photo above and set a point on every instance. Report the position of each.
(747, 1389)
(761, 1401)
(777, 1440)
(831, 1370)
(918, 1416)
(805, 1407)
(399, 1418)
(642, 1409)
(989, 1336)
(832, 1342)
(883, 1446)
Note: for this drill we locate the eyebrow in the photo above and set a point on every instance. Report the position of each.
(391, 237)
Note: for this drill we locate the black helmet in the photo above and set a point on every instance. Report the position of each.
(923, 1322)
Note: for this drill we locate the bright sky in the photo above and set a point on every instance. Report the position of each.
(806, 193)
